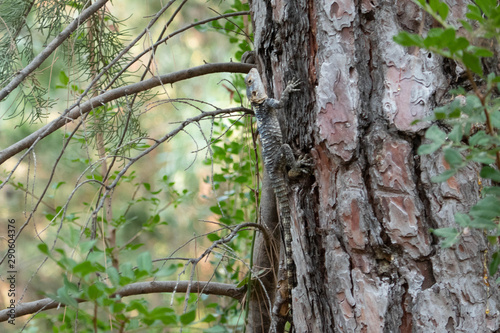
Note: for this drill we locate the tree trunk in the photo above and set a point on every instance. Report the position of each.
(366, 261)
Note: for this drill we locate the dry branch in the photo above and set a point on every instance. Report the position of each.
(108, 96)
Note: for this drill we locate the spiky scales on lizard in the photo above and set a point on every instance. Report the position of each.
(276, 155)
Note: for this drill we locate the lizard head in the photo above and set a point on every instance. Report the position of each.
(255, 89)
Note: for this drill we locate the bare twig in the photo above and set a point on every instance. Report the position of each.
(219, 242)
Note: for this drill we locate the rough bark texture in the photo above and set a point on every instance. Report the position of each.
(365, 259)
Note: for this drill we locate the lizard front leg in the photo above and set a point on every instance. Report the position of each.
(290, 87)
(296, 167)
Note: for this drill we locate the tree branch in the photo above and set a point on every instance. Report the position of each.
(108, 96)
(40, 58)
(153, 47)
(140, 288)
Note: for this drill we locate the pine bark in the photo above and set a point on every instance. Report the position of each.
(366, 261)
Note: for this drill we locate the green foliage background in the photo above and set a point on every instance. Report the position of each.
(170, 205)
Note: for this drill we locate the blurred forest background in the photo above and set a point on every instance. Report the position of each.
(172, 203)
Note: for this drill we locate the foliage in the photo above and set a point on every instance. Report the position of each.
(474, 116)
(100, 238)
(235, 29)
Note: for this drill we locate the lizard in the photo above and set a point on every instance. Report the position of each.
(276, 155)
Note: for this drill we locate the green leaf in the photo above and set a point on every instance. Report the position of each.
(84, 269)
(406, 39)
(241, 179)
(225, 220)
(57, 185)
(243, 282)
(216, 210)
(495, 261)
(86, 246)
(458, 44)
(450, 235)
(427, 149)
(472, 62)
(479, 139)
(440, 114)
(487, 208)
(487, 6)
(456, 133)
(188, 317)
(482, 52)
(474, 14)
(127, 272)
(209, 318)
(434, 38)
(219, 178)
(168, 319)
(448, 37)
(44, 248)
(492, 240)
(453, 157)
(64, 297)
(493, 78)
(480, 223)
(443, 10)
(490, 173)
(434, 4)
(70, 286)
(435, 134)
(94, 292)
(166, 271)
(219, 328)
(113, 275)
(492, 190)
(444, 176)
(74, 237)
(462, 220)
(164, 314)
(495, 118)
(65, 262)
(63, 78)
(456, 113)
(117, 307)
(445, 232)
(213, 237)
(466, 25)
(144, 262)
(483, 158)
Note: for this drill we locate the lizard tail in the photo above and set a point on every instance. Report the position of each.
(284, 207)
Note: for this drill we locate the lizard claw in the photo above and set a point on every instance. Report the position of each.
(302, 167)
(304, 162)
(292, 85)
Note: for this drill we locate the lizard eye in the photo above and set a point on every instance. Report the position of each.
(249, 80)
